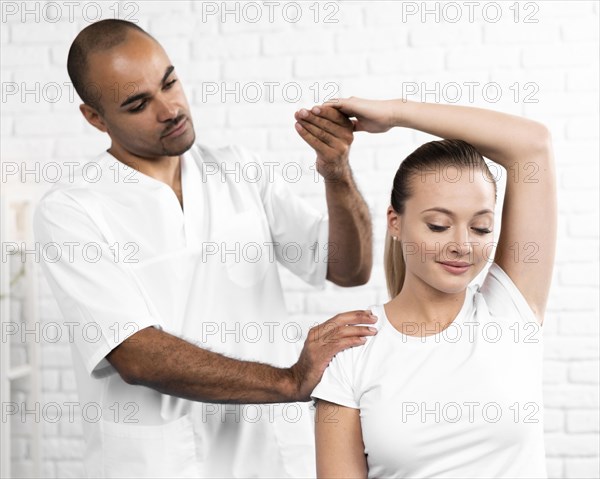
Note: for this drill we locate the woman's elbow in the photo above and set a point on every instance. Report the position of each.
(541, 140)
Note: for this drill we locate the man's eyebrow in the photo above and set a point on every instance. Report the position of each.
(449, 213)
(168, 71)
(142, 95)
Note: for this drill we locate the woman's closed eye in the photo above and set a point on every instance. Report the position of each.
(439, 229)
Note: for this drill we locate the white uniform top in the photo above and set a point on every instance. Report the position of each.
(207, 274)
(466, 402)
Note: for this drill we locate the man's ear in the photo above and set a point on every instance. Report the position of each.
(393, 222)
(93, 117)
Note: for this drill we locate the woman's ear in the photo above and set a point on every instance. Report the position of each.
(393, 223)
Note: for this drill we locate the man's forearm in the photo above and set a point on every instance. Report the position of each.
(170, 365)
(350, 233)
(330, 133)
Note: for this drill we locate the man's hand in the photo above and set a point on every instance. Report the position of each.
(324, 341)
(330, 134)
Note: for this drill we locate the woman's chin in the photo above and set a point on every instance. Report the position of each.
(451, 285)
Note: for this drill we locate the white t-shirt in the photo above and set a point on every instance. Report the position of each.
(465, 402)
(207, 274)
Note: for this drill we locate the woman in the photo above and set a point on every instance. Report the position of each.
(451, 384)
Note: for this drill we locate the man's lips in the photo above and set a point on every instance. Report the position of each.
(177, 128)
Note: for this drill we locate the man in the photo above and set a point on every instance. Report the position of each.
(201, 286)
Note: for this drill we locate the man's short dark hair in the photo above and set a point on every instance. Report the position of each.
(97, 37)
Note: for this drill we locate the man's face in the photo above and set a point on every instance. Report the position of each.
(142, 98)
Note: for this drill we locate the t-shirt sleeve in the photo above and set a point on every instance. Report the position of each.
(97, 295)
(337, 383)
(299, 231)
(503, 298)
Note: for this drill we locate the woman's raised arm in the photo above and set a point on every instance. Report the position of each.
(527, 241)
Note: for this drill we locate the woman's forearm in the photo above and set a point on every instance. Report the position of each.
(501, 137)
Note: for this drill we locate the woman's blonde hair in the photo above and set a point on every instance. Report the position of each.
(431, 158)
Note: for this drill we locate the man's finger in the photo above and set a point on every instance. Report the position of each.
(341, 344)
(325, 123)
(335, 333)
(351, 331)
(357, 125)
(332, 114)
(319, 139)
(343, 321)
(354, 317)
(324, 136)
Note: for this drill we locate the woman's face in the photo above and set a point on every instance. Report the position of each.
(446, 228)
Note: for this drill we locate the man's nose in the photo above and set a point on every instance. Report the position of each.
(166, 109)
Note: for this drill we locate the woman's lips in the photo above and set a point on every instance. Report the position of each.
(454, 268)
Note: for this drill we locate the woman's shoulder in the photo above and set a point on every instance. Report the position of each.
(340, 383)
(502, 297)
(353, 356)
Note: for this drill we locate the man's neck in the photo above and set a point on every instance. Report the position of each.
(166, 168)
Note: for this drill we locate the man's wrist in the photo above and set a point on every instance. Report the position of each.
(341, 177)
(288, 385)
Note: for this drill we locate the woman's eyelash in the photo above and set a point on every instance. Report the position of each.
(438, 228)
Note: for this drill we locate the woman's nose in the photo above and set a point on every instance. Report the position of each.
(462, 244)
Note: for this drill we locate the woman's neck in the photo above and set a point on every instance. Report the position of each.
(420, 307)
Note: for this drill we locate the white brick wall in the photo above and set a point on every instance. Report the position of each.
(372, 49)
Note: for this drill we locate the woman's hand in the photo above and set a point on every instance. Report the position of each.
(372, 116)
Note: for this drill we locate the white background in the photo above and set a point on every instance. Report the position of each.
(242, 75)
